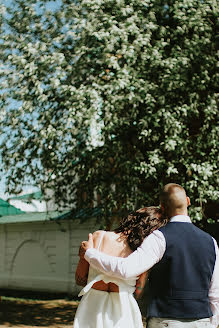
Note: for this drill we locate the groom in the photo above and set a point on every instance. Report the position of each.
(184, 263)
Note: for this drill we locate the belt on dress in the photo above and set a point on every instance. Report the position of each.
(130, 288)
(106, 287)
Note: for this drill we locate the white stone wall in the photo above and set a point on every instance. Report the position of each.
(42, 256)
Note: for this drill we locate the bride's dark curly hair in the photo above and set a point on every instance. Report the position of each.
(139, 224)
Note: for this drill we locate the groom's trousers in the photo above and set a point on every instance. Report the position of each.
(180, 323)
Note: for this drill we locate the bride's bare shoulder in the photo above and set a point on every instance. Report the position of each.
(96, 236)
(98, 233)
(115, 237)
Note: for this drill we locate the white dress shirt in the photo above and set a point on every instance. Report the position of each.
(145, 257)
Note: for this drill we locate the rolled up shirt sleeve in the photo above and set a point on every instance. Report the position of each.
(147, 255)
(214, 291)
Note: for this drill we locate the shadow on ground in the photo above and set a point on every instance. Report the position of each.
(29, 313)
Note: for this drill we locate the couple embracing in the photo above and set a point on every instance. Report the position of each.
(180, 260)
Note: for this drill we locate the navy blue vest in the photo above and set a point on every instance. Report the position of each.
(179, 283)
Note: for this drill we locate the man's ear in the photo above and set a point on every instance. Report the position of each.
(162, 207)
(188, 201)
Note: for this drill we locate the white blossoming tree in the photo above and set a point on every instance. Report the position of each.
(142, 72)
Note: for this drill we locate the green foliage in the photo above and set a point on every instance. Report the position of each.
(141, 73)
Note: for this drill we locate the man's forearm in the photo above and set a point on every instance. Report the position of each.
(132, 266)
(110, 265)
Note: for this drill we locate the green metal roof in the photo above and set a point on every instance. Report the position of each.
(82, 214)
(31, 217)
(8, 209)
(28, 197)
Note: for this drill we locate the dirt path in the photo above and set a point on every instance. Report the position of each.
(19, 313)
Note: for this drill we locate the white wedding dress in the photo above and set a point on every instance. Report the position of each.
(99, 309)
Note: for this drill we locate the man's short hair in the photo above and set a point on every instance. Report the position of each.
(173, 197)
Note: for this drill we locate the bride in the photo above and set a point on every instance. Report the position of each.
(107, 301)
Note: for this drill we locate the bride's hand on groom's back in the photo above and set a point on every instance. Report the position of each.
(140, 283)
(85, 245)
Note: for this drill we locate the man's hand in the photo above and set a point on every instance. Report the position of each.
(85, 245)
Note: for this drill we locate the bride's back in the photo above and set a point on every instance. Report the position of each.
(112, 243)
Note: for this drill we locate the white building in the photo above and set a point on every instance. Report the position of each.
(39, 251)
